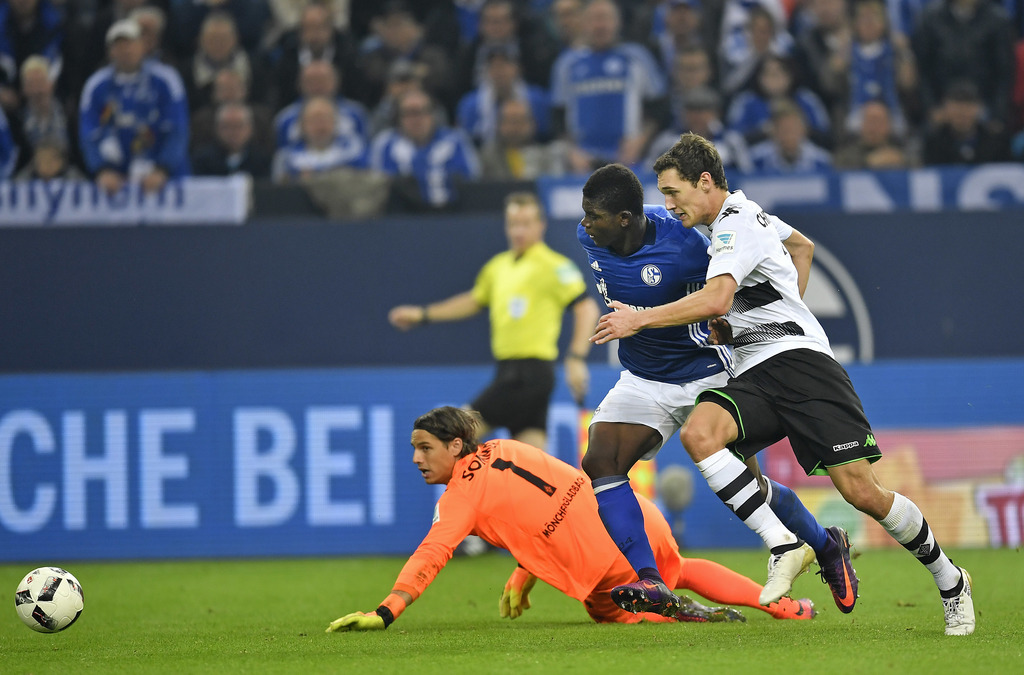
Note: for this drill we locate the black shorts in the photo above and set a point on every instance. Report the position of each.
(802, 395)
(519, 396)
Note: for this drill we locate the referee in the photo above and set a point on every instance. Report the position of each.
(526, 290)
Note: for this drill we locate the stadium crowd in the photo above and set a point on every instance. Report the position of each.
(437, 93)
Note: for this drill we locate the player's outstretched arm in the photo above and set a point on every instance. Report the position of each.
(712, 301)
(515, 599)
(379, 619)
(455, 308)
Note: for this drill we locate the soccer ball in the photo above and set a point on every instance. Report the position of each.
(49, 599)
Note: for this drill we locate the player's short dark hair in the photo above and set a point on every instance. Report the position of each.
(448, 423)
(691, 156)
(615, 188)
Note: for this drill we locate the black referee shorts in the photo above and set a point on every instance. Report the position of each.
(519, 396)
(802, 395)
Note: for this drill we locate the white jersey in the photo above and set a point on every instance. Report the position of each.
(767, 315)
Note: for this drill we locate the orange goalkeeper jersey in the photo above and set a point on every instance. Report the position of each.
(536, 506)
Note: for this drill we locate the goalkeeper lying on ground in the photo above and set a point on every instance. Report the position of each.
(543, 511)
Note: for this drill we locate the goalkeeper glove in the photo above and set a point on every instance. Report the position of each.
(516, 597)
(357, 621)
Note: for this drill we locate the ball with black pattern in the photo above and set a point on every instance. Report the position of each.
(49, 599)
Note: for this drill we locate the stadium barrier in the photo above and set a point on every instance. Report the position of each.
(317, 462)
(188, 201)
(316, 294)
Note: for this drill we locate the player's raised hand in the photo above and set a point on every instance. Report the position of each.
(515, 599)
(620, 323)
(357, 621)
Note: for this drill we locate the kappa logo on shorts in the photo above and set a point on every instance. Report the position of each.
(724, 242)
(845, 446)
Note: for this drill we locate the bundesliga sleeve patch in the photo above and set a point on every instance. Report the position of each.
(724, 242)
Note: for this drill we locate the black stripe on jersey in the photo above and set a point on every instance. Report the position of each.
(532, 478)
(750, 297)
(766, 332)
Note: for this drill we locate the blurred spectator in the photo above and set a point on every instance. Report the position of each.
(218, 50)
(750, 112)
(881, 66)
(610, 97)
(750, 29)
(429, 161)
(234, 149)
(8, 149)
(904, 15)
(287, 15)
(319, 147)
(765, 38)
(316, 38)
(565, 21)
(27, 27)
(503, 27)
(875, 145)
(86, 41)
(477, 112)
(963, 135)
(133, 120)
(965, 40)
(50, 161)
(677, 25)
(788, 148)
(230, 87)
(515, 153)
(403, 76)
(42, 115)
(320, 80)
(701, 113)
(691, 70)
(398, 35)
(153, 25)
(187, 16)
(823, 51)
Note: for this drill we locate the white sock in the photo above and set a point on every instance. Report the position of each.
(907, 525)
(735, 485)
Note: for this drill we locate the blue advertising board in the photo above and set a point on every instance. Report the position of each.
(290, 463)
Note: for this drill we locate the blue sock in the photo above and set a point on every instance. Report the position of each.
(620, 512)
(794, 515)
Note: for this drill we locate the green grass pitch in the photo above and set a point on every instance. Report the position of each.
(269, 616)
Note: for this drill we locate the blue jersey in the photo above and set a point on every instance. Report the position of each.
(449, 155)
(353, 124)
(671, 263)
(142, 117)
(603, 94)
(478, 111)
(750, 113)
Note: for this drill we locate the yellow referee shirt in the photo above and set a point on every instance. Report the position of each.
(527, 297)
